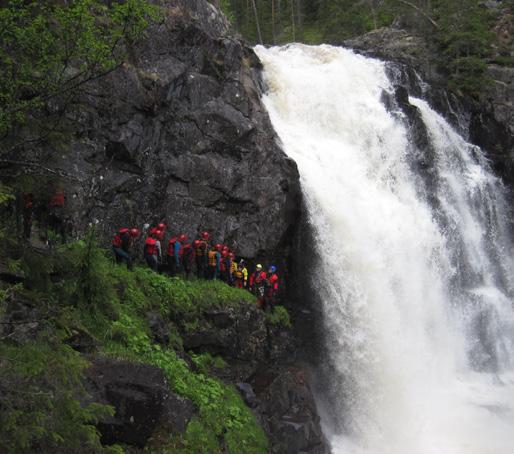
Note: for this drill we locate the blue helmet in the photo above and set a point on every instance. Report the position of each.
(273, 268)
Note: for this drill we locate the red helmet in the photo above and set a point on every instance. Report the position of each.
(218, 247)
(182, 238)
(158, 234)
(225, 247)
(123, 230)
(197, 243)
(161, 226)
(134, 233)
(154, 230)
(232, 255)
(205, 235)
(224, 253)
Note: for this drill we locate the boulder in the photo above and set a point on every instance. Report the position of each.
(288, 411)
(141, 398)
(159, 328)
(237, 333)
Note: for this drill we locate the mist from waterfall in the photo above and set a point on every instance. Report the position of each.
(415, 271)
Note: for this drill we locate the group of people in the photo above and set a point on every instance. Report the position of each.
(49, 210)
(209, 260)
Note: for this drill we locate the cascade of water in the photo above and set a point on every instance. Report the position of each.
(416, 291)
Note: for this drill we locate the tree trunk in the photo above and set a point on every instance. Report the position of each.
(257, 23)
(292, 20)
(273, 22)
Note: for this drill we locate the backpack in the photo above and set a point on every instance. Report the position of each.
(201, 250)
(117, 240)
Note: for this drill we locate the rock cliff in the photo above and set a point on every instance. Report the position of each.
(178, 133)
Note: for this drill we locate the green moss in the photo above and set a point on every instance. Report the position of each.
(279, 316)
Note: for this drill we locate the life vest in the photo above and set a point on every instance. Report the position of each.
(201, 249)
(213, 260)
(185, 252)
(171, 246)
(57, 199)
(117, 240)
(272, 282)
(258, 278)
(27, 201)
(151, 246)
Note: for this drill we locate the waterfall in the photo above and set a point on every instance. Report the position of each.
(414, 272)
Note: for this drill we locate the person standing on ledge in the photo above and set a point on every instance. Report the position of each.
(240, 275)
(153, 251)
(201, 255)
(122, 245)
(271, 288)
(186, 255)
(258, 285)
(214, 262)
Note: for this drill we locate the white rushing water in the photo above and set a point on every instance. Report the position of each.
(415, 274)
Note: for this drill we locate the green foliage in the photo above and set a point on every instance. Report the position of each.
(206, 362)
(279, 316)
(465, 41)
(40, 392)
(50, 47)
(5, 194)
(187, 299)
(226, 7)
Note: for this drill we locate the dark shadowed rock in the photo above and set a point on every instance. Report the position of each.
(177, 413)
(289, 412)
(141, 398)
(159, 328)
(247, 393)
(21, 321)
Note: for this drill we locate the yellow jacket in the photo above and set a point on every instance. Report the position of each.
(241, 274)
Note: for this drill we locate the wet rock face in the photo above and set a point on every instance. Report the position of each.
(178, 133)
(289, 411)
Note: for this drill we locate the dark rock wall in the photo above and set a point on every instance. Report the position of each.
(178, 133)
